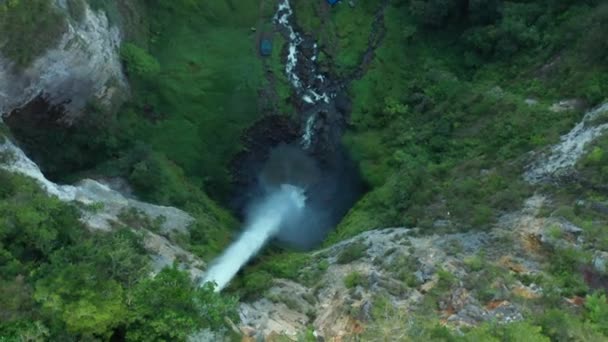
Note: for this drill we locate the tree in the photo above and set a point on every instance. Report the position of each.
(596, 307)
(139, 61)
(76, 296)
(432, 13)
(170, 307)
(484, 12)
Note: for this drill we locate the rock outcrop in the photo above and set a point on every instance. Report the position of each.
(471, 277)
(564, 155)
(83, 67)
(105, 209)
(401, 267)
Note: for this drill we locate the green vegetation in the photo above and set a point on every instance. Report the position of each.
(440, 120)
(354, 279)
(404, 268)
(60, 282)
(206, 92)
(138, 61)
(352, 252)
(257, 277)
(554, 325)
(36, 22)
(456, 95)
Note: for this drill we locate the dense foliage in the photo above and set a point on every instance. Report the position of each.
(60, 282)
(457, 94)
(441, 121)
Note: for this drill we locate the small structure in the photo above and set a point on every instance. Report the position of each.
(265, 46)
(333, 2)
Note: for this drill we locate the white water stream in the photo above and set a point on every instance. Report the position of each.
(264, 223)
(308, 92)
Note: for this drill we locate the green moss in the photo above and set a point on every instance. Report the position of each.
(28, 29)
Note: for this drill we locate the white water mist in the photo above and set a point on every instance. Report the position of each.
(265, 220)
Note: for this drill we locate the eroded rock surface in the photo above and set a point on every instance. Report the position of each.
(564, 155)
(104, 209)
(83, 67)
(405, 268)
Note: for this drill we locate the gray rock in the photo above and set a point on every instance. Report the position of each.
(563, 156)
(600, 262)
(531, 102)
(84, 66)
(567, 105)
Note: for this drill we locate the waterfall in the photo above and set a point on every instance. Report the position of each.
(308, 131)
(310, 85)
(264, 223)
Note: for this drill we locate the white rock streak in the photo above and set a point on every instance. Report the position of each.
(568, 151)
(84, 65)
(91, 192)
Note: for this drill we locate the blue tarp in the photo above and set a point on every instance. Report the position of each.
(332, 2)
(265, 47)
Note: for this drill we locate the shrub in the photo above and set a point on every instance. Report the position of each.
(138, 61)
(354, 279)
(475, 262)
(169, 307)
(286, 265)
(352, 252)
(597, 311)
(255, 283)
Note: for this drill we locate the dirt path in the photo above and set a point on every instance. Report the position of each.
(376, 36)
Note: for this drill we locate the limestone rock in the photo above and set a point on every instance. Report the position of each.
(84, 66)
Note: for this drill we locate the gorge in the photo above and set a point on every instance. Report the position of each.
(300, 171)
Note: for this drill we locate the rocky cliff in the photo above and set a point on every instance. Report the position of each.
(378, 283)
(83, 67)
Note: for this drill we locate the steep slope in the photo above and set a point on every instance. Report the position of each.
(378, 283)
(82, 65)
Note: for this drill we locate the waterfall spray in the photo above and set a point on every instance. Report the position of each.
(265, 222)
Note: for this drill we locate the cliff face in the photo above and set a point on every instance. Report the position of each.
(83, 67)
(378, 283)
(106, 209)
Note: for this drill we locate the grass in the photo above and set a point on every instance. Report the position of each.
(439, 138)
(206, 91)
(354, 279)
(351, 26)
(36, 22)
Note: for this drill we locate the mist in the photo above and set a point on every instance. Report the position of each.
(294, 203)
(283, 203)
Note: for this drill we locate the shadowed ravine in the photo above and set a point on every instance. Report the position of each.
(316, 162)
